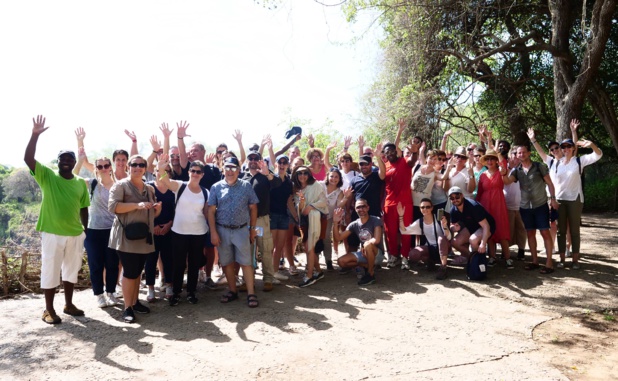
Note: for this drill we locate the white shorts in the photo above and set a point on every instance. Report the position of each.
(60, 253)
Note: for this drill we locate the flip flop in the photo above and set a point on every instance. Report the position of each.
(252, 301)
(228, 297)
(532, 266)
(547, 270)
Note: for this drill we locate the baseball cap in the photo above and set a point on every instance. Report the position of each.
(454, 190)
(231, 162)
(67, 152)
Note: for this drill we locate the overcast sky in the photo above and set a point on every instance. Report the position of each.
(220, 64)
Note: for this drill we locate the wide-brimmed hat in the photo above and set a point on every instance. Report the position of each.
(489, 153)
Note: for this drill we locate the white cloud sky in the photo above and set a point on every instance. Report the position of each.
(220, 64)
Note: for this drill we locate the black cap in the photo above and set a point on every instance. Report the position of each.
(296, 130)
(231, 162)
(365, 159)
(254, 153)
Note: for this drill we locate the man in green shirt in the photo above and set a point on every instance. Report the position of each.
(63, 218)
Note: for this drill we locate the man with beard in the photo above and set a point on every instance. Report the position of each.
(62, 221)
(262, 181)
(472, 223)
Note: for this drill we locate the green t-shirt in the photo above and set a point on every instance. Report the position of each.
(62, 201)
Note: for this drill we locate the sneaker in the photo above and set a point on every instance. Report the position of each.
(318, 276)
(293, 270)
(367, 280)
(101, 301)
(202, 277)
(329, 266)
(140, 308)
(128, 315)
(151, 296)
(441, 275)
(210, 284)
(73, 311)
(405, 265)
(112, 300)
(191, 298)
(174, 300)
(118, 294)
(393, 262)
(222, 280)
(560, 265)
(307, 282)
(521, 255)
(491, 262)
(51, 317)
(280, 276)
(238, 281)
(276, 281)
(576, 266)
(509, 264)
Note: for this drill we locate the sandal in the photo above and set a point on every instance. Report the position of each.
(547, 270)
(532, 266)
(252, 301)
(228, 297)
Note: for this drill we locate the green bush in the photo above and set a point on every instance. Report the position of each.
(600, 195)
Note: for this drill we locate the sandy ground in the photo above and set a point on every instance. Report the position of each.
(517, 325)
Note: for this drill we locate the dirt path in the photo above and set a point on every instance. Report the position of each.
(406, 326)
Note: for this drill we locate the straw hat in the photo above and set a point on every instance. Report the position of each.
(489, 153)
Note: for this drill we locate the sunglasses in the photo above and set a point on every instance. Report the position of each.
(283, 162)
(461, 157)
(477, 155)
(141, 165)
(253, 159)
(363, 164)
(104, 166)
(554, 149)
(220, 152)
(455, 196)
(426, 207)
(175, 156)
(361, 207)
(346, 161)
(196, 171)
(566, 146)
(470, 149)
(315, 157)
(491, 158)
(441, 159)
(302, 173)
(231, 169)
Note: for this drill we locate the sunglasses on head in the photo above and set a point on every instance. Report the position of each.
(141, 165)
(196, 171)
(104, 166)
(455, 196)
(231, 169)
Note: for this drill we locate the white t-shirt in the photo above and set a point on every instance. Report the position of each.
(428, 229)
(512, 196)
(422, 186)
(568, 181)
(189, 218)
(347, 178)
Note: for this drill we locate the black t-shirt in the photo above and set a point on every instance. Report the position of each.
(472, 214)
(371, 189)
(279, 197)
(168, 205)
(212, 174)
(262, 186)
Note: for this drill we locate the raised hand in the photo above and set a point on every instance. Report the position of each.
(347, 141)
(423, 146)
(131, 135)
(156, 144)
(265, 140)
(80, 134)
(38, 125)
(402, 124)
(447, 133)
(165, 130)
(530, 133)
(332, 145)
(574, 124)
(584, 143)
(210, 158)
(81, 153)
(338, 214)
(163, 162)
(360, 141)
(182, 129)
(237, 135)
(348, 192)
(378, 150)
(310, 140)
(263, 167)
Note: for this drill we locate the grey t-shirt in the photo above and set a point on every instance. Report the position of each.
(532, 184)
(364, 232)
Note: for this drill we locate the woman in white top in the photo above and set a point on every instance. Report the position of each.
(459, 174)
(570, 194)
(437, 234)
(188, 229)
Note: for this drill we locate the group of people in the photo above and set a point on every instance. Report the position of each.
(182, 210)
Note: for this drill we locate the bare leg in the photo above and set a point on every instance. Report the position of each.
(50, 293)
(248, 276)
(532, 245)
(68, 293)
(548, 247)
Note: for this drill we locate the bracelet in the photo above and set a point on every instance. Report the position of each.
(162, 177)
(553, 197)
(181, 138)
(401, 217)
(134, 140)
(533, 141)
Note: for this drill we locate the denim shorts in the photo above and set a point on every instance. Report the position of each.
(362, 260)
(279, 221)
(553, 215)
(535, 219)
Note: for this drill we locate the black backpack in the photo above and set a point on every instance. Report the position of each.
(477, 266)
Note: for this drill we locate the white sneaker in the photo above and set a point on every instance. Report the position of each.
(239, 282)
(101, 302)
(222, 280)
(404, 264)
(112, 300)
(393, 261)
(275, 281)
(118, 294)
(280, 276)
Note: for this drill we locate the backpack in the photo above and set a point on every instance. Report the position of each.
(93, 185)
(184, 186)
(477, 266)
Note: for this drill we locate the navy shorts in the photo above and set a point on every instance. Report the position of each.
(553, 215)
(207, 241)
(279, 221)
(535, 219)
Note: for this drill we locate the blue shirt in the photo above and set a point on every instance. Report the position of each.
(473, 213)
(232, 202)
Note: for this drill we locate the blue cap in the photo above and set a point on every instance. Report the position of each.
(231, 162)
